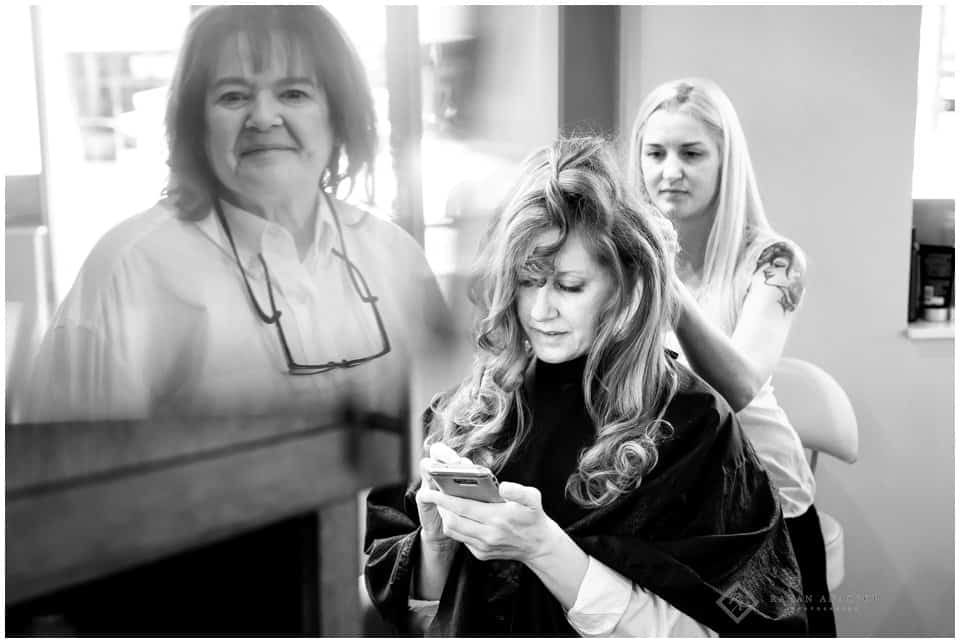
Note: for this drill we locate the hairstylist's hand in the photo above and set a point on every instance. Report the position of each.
(431, 526)
(685, 299)
(671, 241)
(514, 530)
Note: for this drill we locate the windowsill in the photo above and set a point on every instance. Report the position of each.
(931, 330)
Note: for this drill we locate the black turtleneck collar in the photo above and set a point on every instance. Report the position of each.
(561, 428)
(558, 376)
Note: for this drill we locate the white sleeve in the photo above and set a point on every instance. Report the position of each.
(76, 376)
(608, 604)
(94, 359)
(421, 614)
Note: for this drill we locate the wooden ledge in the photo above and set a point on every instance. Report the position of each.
(84, 501)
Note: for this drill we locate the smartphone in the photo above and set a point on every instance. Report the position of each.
(470, 481)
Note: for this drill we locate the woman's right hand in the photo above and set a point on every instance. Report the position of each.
(436, 549)
(431, 526)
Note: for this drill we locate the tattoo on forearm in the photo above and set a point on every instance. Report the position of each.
(778, 264)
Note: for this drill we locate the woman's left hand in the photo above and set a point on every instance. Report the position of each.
(668, 232)
(517, 529)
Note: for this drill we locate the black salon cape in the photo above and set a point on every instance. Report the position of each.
(704, 531)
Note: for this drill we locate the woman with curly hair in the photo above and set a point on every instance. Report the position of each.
(632, 505)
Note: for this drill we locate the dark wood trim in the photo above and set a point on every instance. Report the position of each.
(140, 498)
(589, 69)
(339, 548)
(406, 119)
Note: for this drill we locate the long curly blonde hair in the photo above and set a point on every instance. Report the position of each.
(575, 187)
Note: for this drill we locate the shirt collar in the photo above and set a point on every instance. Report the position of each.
(249, 230)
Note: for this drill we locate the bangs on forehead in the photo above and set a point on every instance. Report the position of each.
(258, 50)
(539, 259)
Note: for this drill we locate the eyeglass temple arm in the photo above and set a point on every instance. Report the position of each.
(264, 317)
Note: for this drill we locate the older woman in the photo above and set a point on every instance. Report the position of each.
(633, 505)
(742, 284)
(251, 288)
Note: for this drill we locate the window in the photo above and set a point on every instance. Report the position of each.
(936, 158)
(936, 164)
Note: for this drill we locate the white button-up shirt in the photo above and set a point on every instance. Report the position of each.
(159, 323)
(607, 604)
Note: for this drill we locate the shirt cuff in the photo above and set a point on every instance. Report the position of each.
(601, 600)
(417, 604)
(421, 614)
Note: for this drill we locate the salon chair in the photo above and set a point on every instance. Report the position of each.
(821, 413)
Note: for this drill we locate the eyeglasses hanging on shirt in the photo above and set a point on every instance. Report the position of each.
(356, 278)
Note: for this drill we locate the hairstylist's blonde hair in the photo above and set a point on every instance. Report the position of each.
(574, 187)
(740, 215)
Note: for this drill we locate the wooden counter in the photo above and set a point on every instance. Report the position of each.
(86, 500)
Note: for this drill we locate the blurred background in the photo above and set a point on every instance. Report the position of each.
(850, 116)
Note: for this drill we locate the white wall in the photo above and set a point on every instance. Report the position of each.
(827, 97)
(518, 83)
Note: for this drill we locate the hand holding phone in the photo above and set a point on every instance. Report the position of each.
(470, 481)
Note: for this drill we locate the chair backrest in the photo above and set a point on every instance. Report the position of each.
(818, 408)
